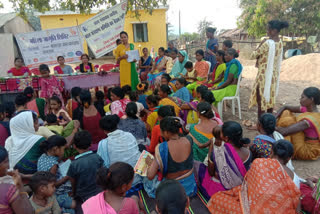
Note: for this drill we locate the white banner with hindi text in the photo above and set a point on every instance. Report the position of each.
(43, 47)
(102, 30)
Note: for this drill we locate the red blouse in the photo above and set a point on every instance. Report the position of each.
(19, 72)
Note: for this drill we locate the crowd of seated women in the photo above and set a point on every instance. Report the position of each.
(171, 116)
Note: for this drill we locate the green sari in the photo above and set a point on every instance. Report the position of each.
(199, 138)
(134, 74)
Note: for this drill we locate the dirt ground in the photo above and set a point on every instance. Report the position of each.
(289, 93)
(291, 86)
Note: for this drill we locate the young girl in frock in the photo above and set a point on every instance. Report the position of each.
(55, 107)
(50, 85)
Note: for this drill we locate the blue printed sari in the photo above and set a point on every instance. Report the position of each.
(208, 57)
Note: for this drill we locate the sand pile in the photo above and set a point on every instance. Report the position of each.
(304, 68)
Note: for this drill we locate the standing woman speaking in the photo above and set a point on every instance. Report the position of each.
(269, 57)
(128, 71)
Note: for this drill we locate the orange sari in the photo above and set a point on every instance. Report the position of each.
(266, 188)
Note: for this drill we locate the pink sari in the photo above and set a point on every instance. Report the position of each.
(229, 168)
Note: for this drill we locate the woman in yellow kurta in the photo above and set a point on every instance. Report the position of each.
(269, 56)
(128, 71)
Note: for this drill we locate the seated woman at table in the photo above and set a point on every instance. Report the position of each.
(62, 68)
(303, 131)
(145, 64)
(18, 69)
(159, 67)
(86, 66)
(229, 84)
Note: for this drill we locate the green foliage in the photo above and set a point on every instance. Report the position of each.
(303, 15)
(84, 6)
(188, 37)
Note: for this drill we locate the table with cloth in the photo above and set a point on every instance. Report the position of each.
(9, 87)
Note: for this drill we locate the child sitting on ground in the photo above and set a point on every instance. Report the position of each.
(100, 101)
(126, 90)
(115, 182)
(53, 124)
(53, 150)
(55, 107)
(171, 197)
(83, 170)
(43, 199)
(134, 97)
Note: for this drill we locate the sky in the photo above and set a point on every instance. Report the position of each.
(223, 13)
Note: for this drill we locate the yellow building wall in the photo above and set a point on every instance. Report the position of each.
(156, 24)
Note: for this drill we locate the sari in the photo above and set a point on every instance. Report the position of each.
(145, 63)
(9, 193)
(304, 149)
(234, 67)
(160, 61)
(183, 94)
(200, 138)
(23, 144)
(84, 70)
(266, 188)
(187, 180)
(170, 102)
(229, 168)
(152, 118)
(211, 43)
(38, 105)
(178, 69)
(227, 71)
(220, 69)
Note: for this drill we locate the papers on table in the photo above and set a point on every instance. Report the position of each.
(133, 55)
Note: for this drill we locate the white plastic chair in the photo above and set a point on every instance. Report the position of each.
(209, 63)
(235, 97)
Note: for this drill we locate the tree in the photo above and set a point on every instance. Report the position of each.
(303, 15)
(84, 6)
(188, 37)
(202, 26)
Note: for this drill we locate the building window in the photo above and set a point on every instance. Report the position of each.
(140, 32)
